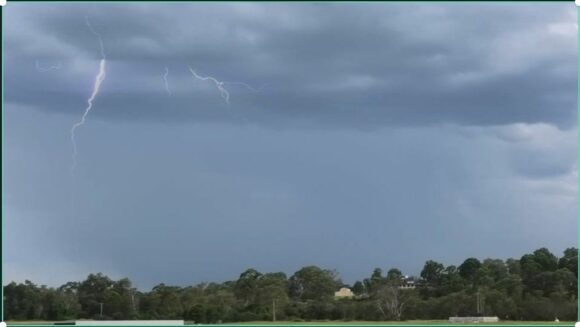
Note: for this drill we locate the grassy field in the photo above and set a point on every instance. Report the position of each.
(406, 323)
(347, 323)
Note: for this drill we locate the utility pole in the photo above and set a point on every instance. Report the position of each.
(273, 309)
(478, 304)
(101, 309)
(133, 301)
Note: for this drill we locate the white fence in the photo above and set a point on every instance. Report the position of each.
(129, 323)
(473, 319)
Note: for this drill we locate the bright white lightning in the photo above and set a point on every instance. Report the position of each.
(98, 81)
(46, 69)
(166, 82)
(220, 85)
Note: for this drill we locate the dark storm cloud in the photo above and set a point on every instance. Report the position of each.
(381, 135)
(322, 64)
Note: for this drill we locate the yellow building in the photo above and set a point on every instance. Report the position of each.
(344, 293)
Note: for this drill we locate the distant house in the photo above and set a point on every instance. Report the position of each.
(407, 283)
(344, 293)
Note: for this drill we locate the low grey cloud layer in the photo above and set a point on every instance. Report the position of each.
(379, 134)
(326, 64)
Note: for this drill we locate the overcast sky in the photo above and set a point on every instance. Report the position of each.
(365, 135)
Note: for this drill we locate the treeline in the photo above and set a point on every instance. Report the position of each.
(538, 286)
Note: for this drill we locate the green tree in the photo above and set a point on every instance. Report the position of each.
(536, 270)
(66, 303)
(513, 266)
(246, 286)
(538, 286)
(313, 283)
(570, 260)
(163, 302)
(358, 288)
(451, 281)
(500, 304)
(391, 300)
(496, 269)
(197, 314)
(91, 293)
(394, 275)
(546, 260)
(432, 272)
(469, 269)
(23, 301)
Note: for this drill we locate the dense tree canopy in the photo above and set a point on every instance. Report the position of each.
(432, 272)
(537, 286)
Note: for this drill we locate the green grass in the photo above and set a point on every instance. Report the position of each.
(409, 322)
(351, 323)
(30, 322)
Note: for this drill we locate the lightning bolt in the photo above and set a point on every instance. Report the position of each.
(220, 85)
(246, 86)
(165, 80)
(98, 81)
(46, 69)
